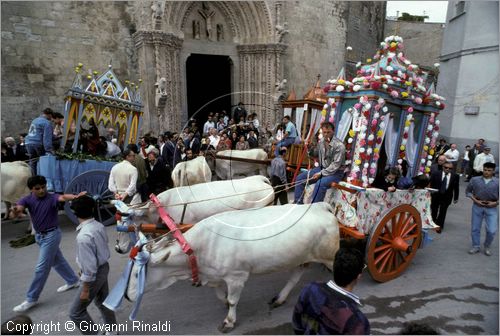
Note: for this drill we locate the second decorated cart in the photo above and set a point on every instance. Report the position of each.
(100, 99)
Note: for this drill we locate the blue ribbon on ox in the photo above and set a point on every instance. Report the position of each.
(115, 297)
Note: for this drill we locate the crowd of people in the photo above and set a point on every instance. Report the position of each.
(147, 169)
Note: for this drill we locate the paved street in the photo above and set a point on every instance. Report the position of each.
(453, 291)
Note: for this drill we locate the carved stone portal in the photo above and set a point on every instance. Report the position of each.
(256, 53)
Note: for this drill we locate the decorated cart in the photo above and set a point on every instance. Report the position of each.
(387, 114)
(103, 101)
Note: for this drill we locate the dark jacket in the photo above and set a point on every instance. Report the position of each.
(381, 183)
(194, 145)
(159, 178)
(453, 187)
(167, 153)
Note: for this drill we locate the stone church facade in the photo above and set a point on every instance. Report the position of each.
(265, 42)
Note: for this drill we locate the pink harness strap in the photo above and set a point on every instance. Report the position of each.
(179, 237)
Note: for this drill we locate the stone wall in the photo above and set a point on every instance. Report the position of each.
(416, 35)
(316, 40)
(42, 42)
(365, 30)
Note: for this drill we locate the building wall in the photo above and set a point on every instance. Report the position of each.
(469, 74)
(415, 35)
(365, 31)
(316, 42)
(320, 31)
(42, 42)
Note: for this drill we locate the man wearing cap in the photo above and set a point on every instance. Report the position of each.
(92, 255)
(481, 159)
(39, 138)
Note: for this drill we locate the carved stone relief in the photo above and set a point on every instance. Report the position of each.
(216, 22)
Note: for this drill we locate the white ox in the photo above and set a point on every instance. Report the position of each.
(15, 176)
(226, 169)
(191, 172)
(232, 245)
(204, 200)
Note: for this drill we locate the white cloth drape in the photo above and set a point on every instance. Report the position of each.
(391, 139)
(315, 122)
(411, 148)
(299, 116)
(344, 125)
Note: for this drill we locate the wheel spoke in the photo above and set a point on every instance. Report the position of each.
(384, 262)
(408, 230)
(399, 227)
(385, 239)
(412, 236)
(381, 248)
(388, 230)
(402, 256)
(390, 264)
(381, 256)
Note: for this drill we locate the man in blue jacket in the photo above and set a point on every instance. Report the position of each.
(39, 138)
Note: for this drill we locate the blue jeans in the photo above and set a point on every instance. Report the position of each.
(491, 217)
(283, 143)
(50, 256)
(34, 151)
(320, 186)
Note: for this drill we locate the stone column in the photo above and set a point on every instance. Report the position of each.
(260, 69)
(159, 66)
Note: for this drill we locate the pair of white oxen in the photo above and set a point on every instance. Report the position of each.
(236, 234)
(200, 169)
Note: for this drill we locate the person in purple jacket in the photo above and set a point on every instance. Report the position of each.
(43, 209)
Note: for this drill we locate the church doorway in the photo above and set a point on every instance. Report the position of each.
(208, 80)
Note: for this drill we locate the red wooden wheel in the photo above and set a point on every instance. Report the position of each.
(393, 243)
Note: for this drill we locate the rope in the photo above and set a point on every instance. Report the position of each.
(306, 181)
(232, 195)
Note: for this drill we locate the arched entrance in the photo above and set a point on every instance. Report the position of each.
(208, 80)
(245, 31)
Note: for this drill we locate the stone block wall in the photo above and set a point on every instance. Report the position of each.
(42, 42)
(316, 42)
(365, 30)
(416, 35)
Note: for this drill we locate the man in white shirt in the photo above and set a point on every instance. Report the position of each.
(208, 124)
(452, 156)
(214, 138)
(481, 159)
(123, 179)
